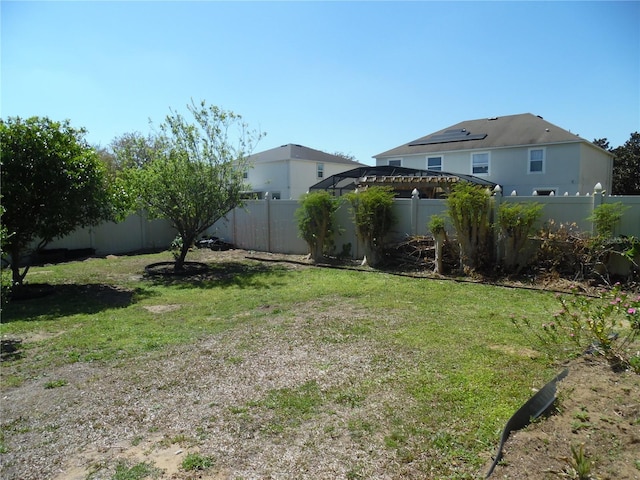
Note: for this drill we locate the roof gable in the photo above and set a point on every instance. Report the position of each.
(487, 133)
(298, 152)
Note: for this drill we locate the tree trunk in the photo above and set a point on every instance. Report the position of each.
(17, 277)
(439, 238)
(317, 250)
(184, 249)
(371, 255)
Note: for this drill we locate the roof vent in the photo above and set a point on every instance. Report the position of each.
(540, 116)
(492, 118)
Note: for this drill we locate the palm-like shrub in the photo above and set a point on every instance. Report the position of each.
(469, 209)
(316, 222)
(373, 217)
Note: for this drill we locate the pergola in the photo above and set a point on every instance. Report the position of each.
(429, 183)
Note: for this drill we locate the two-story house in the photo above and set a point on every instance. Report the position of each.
(522, 153)
(288, 171)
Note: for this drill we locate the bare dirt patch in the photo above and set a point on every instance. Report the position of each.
(597, 409)
(162, 308)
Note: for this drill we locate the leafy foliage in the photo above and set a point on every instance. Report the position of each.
(607, 326)
(605, 218)
(437, 224)
(626, 167)
(196, 462)
(468, 207)
(373, 217)
(5, 276)
(516, 222)
(194, 173)
(437, 228)
(52, 183)
(134, 150)
(316, 222)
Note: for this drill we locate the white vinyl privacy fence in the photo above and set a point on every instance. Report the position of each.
(270, 225)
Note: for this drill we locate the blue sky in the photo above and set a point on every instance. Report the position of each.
(355, 77)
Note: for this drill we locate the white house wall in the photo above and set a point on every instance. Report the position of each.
(272, 177)
(303, 174)
(290, 178)
(562, 163)
(596, 167)
(508, 167)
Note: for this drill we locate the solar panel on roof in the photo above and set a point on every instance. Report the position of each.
(456, 135)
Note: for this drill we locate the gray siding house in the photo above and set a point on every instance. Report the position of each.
(287, 172)
(522, 153)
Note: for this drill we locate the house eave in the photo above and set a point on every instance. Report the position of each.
(479, 148)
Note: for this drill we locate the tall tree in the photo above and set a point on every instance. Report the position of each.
(52, 183)
(626, 167)
(195, 174)
(602, 143)
(134, 150)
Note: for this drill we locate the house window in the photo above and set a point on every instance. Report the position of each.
(536, 160)
(434, 163)
(245, 174)
(395, 163)
(320, 170)
(544, 191)
(480, 163)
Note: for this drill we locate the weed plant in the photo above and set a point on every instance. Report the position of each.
(196, 462)
(608, 326)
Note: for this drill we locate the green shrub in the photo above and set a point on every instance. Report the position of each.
(605, 218)
(436, 224)
(516, 222)
(437, 229)
(373, 217)
(607, 326)
(469, 209)
(316, 222)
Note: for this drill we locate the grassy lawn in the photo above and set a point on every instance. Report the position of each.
(445, 366)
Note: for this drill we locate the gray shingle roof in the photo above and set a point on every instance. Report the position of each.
(496, 132)
(293, 151)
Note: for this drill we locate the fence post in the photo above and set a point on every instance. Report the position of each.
(234, 226)
(598, 199)
(497, 200)
(267, 204)
(144, 225)
(415, 197)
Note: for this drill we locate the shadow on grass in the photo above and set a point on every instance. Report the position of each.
(50, 302)
(217, 275)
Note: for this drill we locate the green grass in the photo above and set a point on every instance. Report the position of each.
(196, 462)
(451, 347)
(138, 471)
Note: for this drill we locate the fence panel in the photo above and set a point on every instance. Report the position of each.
(345, 238)
(270, 225)
(426, 209)
(565, 210)
(283, 228)
(136, 232)
(630, 222)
